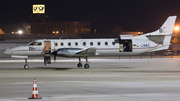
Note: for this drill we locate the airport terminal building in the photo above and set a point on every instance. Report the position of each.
(40, 23)
(69, 27)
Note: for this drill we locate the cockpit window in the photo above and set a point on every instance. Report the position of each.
(35, 44)
(31, 43)
(39, 44)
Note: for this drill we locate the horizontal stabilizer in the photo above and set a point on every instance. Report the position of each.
(158, 39)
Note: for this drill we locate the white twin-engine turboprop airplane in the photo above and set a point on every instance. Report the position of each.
(123, 45)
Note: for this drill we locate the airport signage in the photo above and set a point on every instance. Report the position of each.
(38, 9)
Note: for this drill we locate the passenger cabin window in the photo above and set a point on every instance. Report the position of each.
(113, 43)
(62, 44)
(106, 43)
(99, 43)
(76, 43)
(91, 43)
(69, 44)
(56, 44)
(84, 43)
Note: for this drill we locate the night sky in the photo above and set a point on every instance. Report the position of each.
(104, 15)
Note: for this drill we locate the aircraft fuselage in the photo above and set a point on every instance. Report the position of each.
(102, 46)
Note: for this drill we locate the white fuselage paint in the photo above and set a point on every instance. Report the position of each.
(139, 46)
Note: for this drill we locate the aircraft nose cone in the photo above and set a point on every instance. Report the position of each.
(7, 52)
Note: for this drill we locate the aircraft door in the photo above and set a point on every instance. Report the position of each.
(47, 47)
(47, 52)
(125, 45)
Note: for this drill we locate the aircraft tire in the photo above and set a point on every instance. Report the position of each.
(26, 66)
(86, 66)
(79, 65)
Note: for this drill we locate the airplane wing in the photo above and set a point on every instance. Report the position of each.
(69, 52)
(87, 51)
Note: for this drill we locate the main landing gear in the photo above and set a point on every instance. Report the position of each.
(79, 65)
(86, 66)
(26, 66)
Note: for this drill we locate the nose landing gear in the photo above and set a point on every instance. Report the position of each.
(26, 66)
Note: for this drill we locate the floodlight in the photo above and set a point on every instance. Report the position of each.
(20, 32)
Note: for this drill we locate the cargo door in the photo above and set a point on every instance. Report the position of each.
(125, 45)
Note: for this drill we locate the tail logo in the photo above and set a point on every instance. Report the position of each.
(163, 30)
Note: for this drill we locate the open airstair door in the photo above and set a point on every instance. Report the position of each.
(125, 43)
(47, 52)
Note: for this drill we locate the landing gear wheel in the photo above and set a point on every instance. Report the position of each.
(86, 66)
(26, 66)
(79, 65)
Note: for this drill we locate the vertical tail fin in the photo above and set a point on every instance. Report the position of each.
(166, 28)
(163, 35)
